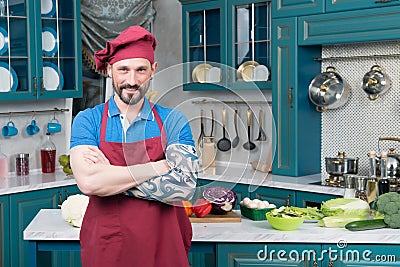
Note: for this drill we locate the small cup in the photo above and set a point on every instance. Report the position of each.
(32, 128)
(9, 129)
(53, 126)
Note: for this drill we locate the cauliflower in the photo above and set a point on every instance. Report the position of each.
(389, 205)
(73, 209)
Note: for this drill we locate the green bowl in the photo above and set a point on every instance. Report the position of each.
(284, 224)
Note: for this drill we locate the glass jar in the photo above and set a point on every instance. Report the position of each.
(22, 164)
(3, 165)
(48, 155)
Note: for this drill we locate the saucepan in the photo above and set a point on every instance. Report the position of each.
(375, 82)
(341, 165)
(328, 90)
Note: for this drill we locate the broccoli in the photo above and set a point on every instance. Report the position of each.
(389, 205)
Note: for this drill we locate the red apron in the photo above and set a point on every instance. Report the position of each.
(128, 231)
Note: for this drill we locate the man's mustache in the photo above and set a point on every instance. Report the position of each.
(127, 86)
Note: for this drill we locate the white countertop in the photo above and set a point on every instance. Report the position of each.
(36, 180)
(48, 225)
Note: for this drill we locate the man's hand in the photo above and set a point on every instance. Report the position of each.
(93, 155)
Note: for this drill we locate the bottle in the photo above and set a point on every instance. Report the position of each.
(3, 165)
(384, 183)
(48, 155)
(22, 164)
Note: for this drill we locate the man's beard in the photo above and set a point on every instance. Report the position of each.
(130, 99)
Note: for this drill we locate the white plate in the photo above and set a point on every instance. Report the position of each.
(260, 73)
(3, 41)
(52, 77)
(200, 71)
(213, 75)
(49, 41)
(8, 77)
(48, 8)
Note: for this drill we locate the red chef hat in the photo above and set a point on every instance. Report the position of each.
(134, 42)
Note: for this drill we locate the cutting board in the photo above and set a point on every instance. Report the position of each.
(211, 218)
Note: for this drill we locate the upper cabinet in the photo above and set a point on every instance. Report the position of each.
(292, 8)
(226, 44)
(342, 5)
(40, 49)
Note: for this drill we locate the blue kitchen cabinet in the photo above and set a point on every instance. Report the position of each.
(41, 55)
(277, 196)
(350, 26)
(264, 254)
(346, 255)
(292, 8)
(308, 199)
(23, 208)
(4, 231)
(223, 41)
(344, 5)
(297, 138)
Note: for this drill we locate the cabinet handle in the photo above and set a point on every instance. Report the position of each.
(60, 200)
(288, 200)
(34, 86)
(315, 263)
(41, 85)
(290, 97)
(66, 193)
(330, 264)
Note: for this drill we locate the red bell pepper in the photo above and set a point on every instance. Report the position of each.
(201, 207)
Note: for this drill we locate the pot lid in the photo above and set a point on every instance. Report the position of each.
(326, 88)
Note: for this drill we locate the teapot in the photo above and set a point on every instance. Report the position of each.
(393, 159)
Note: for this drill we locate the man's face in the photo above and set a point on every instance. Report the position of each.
(131, 78)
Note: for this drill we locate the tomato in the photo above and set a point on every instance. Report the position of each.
(201, 207)
(188, 207)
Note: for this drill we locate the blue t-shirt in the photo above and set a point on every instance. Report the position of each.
(87, 124)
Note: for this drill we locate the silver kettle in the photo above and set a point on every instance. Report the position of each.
(393, 159)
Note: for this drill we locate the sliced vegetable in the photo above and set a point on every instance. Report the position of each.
(222, 199)
(188, 207)
(366, 225)
(201, 207)
(338, 221)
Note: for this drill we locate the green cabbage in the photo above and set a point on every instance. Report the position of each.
(346, 207)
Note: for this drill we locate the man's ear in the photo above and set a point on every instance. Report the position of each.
(109, 70)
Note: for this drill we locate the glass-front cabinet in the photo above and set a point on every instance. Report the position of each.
(40, 54)
(226, 44)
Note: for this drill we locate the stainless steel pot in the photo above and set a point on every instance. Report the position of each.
(393, 159)
(328, 90)
(375, 82)
(341, 165)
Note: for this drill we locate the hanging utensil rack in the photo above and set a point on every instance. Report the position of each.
(356, 57)
(204, 101)
(34, 111)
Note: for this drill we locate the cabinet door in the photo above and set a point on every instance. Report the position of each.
(342, 5)
(307, 199)
(346, 255)
(297, 137)
(204, 40)
(40, 49)
(249, 44)
(292, 8)
(279, 197)
(4, 231)
(23, 208)
(263, 254)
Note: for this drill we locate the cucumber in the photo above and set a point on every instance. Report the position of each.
(365, 225)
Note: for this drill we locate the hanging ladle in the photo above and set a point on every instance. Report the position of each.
(249, 145)
(261, 134)
(224, 144)
(235, 140)
(200, 140)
